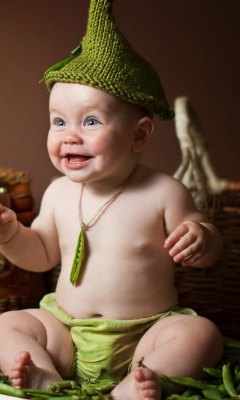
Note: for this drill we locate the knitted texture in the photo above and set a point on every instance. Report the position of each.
(106, 60)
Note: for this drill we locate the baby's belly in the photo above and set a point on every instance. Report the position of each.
(118, 293)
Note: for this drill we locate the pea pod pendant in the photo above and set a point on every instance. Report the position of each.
(79, 252)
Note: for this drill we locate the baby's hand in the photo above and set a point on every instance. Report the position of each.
(187, 243)
(8, 224)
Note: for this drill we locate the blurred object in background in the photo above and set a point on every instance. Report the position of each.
(196, 170)
(18, 288)
(213, 292)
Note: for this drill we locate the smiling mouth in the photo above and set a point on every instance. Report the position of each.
(76, 159)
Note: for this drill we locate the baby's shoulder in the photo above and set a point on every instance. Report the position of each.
(159, 180)
(58, 189)
(163, 186)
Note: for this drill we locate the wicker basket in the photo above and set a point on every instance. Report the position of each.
(213, 292)
(14, 288)
(15, 284)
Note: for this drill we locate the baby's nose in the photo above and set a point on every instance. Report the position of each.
(72, 137)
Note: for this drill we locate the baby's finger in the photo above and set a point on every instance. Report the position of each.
(6, 215)
(2, 211)
(191, 259)
(187, 261)
(175, 236)
(189, 250)
(185, 254)
(184, 247)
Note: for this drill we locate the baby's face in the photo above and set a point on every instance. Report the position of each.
(91, 132)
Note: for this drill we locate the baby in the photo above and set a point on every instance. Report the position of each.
(115, 300)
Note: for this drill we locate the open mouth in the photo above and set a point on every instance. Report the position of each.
(75, 159)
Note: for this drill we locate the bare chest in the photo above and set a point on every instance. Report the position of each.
(123, 226)
(123, 250)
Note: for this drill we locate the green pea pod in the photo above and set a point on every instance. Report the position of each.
(214, 382)
(11, 391)
(212, 394)
(232, 345)
(58, 386)
(237, 377)
(189, 382)
(66, 398)
(39, 396)
(215, 373)
(105, 386)
(190, 392)
(77, 261)
(163, 382)
(100, 387)
(86, 389)
(222, 388)
(71, 392)
(228, 382)
(236, 369)
(39, 393)
(35, 398)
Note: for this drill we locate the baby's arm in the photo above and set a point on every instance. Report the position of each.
(191, 240)
(35, 248)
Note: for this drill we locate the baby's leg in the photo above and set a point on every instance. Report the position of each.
(35, 348)
(179, 345)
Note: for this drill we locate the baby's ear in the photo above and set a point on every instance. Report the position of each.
(142, 134)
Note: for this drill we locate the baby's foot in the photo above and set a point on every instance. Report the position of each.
(143, 384)
(25, 374)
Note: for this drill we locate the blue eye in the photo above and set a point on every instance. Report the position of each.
(59, 122)
(91, 122)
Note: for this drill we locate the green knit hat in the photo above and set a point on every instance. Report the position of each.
(105, 60)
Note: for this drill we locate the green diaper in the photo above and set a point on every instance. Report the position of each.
(104, 347)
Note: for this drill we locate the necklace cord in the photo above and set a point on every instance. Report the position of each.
(79, 252)
(107, 203)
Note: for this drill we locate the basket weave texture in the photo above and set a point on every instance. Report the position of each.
(14, 288)
(15, 283)
(215, 292)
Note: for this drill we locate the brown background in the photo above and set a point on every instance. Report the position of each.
(194, 45)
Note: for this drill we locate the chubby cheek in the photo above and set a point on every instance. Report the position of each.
(109, 154)
(53, 147)
(111, 146)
